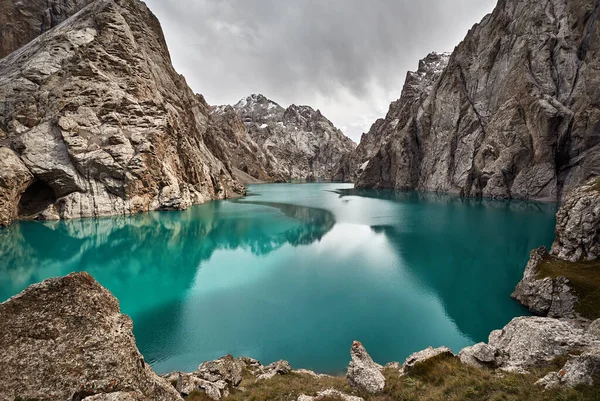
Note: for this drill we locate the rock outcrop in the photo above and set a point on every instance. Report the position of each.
(513, 115)
(578, 224)
(579, 369)
(401, 116)
(544, 296)
(330, 394)
(422, 356)
(65, 339)
(364, 374)
(297, 143)
(23, 21)
(97, 114)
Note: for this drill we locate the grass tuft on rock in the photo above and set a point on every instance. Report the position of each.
(585, 282)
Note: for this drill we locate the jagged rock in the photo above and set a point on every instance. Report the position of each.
(400, 116)
(274, 369)
(23, 21)
(328, 395)
(297, 143)
(479, 356)
(514, 113)
(578, 224)
(579, 369)
(98, 115)
(363, 373)
(535, 341)
(422, 356)
(67, 337)
(118, 396)
(548, 296)
(15, 177)
(226, 368)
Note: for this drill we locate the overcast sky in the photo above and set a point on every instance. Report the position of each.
(348, 58)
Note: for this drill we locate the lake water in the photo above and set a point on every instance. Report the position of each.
(296, 272)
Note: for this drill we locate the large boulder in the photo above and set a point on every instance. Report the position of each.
(578, 224)
(65, 338)
(422, 356)
(364, 374)
(479, 355)
(226, 368)
(579, 369)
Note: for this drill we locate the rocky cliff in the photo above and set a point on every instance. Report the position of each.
(561, 283)
(401, 116)
(513, 115)
(23, 21)
(94, 121)
(297, 143)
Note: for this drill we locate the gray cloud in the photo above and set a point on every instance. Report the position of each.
(348, 58)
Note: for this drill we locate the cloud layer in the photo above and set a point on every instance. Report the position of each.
(348, 58)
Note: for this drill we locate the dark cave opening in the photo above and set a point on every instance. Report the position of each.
(36, 199)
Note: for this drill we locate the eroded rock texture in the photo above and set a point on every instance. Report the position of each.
(401, 116)
(65, 339)
(363, 373)
(513, 115)
(97, 114)
(578, 224)
(23, 21)
(297, 143)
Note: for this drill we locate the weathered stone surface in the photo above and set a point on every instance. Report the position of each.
(534, 341)
(422, 356)
(226, 368)
(579, 369)
(479, 356)
(297, 143)
(513, 115)
(273, 369)
(594, 328)
(330, 394)
(578, 224)
(551, 297)
(401, 116)
(23, 21)
(15, 177)
(363, 373)
(66, 339)
(98, 115)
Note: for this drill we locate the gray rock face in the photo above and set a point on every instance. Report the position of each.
(513, 115)
(422, 356)
(401, 116)
(363, 373)
(99, 117)
(479, 356)
(297, 143)
(23, 21)
(551, 297)
(329, 395)
(534, 341)
(579, 369)
(578, 224)
(66, 339)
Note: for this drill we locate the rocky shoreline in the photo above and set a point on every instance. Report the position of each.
(65, 338)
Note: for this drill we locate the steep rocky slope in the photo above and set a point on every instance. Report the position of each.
(401, 116)
(297, 143)
(23, 21)
(94, 121)
(513, 115)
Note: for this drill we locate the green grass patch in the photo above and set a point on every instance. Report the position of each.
(585, 282)
(440, 378)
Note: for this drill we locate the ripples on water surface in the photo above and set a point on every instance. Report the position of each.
(296, 272)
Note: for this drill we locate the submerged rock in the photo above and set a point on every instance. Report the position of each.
(67, 337)
(363, 373)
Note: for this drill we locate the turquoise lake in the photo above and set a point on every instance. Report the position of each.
(296, 272)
